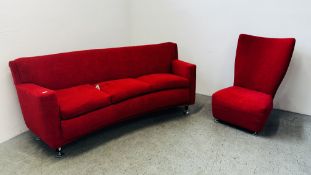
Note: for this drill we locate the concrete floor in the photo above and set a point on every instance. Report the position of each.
(168, 142)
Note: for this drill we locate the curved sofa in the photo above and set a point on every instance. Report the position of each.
(68, 95)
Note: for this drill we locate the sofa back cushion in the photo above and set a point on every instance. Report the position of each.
(64, 70)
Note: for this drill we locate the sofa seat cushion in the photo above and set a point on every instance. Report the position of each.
(123, 89)
(80, 99)
(164, 81)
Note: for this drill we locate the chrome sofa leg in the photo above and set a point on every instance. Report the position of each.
(37, 138)
(186, 110)
(59, 152)
(255, 133)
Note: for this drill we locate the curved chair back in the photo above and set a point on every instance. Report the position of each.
(261, 63)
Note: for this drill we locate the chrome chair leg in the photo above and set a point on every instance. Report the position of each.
(59, 152)
(216, 120)
(186, 110)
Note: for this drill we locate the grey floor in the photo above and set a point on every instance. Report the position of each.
(168, 142)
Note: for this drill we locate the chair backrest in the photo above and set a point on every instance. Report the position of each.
(261, 63)
(64, 70)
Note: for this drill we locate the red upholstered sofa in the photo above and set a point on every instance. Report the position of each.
(68, 95)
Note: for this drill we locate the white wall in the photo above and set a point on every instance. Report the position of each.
(35, 27)
(207, 32)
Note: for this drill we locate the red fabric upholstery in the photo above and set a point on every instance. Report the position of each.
(80, 99)
(164, 81)
(243, 107)
(65, 70)
(260, 65)
(41, 113)
(188, 71)
(59, 100)
(123, 89)
(80, 126)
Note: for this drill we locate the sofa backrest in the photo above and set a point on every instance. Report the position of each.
(64, 70)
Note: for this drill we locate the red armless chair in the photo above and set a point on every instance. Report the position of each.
(260, 66)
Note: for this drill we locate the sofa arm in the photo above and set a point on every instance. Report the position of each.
(188, 71)
(41, 112)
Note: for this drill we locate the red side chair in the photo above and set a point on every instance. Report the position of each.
(260, 66)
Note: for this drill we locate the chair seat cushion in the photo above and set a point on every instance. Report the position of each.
(80, 99)
(242, 107)
(123, 89)
(164, 81)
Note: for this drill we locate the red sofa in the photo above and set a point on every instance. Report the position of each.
(68, 95)
(260, 66)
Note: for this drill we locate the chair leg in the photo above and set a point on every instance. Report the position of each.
(216, 120)
(186, 110)
(59, 152)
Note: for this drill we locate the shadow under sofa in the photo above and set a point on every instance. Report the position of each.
(69, 95)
